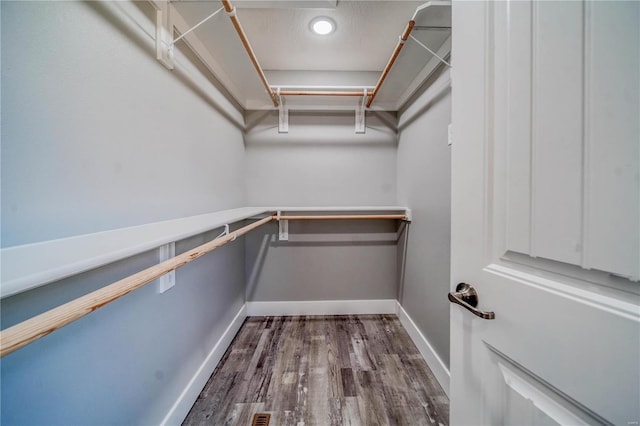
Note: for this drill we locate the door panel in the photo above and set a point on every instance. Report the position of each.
(528, 400)
(556, 149)
(568, 79)
(584, 345)
(612, 199)
(544, 230)
(518, 106)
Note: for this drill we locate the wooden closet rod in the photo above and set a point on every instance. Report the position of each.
(14, 338)
(243, 38)
(272, 94)
(392, 60)
(319, 93)
(345, 217)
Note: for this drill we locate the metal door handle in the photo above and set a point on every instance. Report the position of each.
(467, 297)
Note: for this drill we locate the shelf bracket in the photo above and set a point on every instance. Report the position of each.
(164, 34)
(283, 114)
(283, 228)
(430, 51)
(196, 26)
(168, 280)
(360, 113)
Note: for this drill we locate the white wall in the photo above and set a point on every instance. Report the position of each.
(96, 134)
(321, 161)
(424, 184)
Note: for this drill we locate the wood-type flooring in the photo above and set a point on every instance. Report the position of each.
(322, 370)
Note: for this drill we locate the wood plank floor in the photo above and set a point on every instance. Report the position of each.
(322, 370)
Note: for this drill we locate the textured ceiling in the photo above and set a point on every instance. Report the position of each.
(366, 34)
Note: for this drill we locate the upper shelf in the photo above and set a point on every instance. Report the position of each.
(415, 64)
(354, 56)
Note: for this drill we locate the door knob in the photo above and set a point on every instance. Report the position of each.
(467, 297)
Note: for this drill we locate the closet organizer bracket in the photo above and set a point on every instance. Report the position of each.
(430, 51)
(362, 92)
(360, 113)
(283, 113)
(184, 34)
(283, 228)
(167, 281)
(164, 33)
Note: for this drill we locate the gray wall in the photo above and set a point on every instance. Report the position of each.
(321, 162)
(96, 134)
(128, 362)
(424, 184)
(83, 101)
(341, 260)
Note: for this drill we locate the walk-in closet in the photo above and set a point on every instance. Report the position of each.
(320, 212)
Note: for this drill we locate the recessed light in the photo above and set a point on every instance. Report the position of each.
(322, 25)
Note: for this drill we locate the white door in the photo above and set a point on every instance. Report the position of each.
(546, 212)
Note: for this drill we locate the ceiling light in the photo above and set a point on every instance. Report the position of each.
(322, 25)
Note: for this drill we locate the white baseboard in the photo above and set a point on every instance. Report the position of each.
(322, 307)
(439, 369)
(187, 398)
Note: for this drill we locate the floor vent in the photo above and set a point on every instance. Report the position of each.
(261, 419)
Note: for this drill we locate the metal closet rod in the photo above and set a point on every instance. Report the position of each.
(21, 334)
